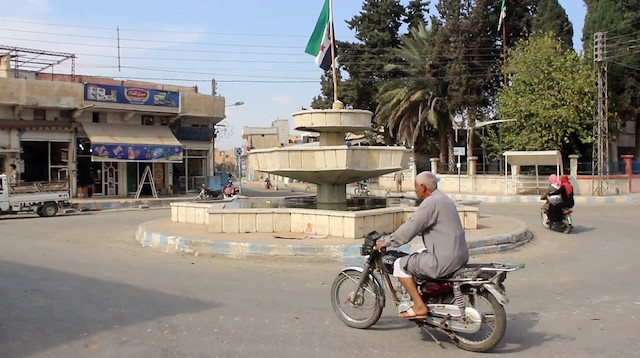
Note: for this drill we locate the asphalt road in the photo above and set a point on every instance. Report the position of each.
(80, 286)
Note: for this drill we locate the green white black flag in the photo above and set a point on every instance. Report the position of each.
(503, 13)
(319, 44)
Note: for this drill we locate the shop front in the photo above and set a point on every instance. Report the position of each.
(116, 158)
(40, 149)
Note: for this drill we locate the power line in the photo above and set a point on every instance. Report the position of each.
(155, 31)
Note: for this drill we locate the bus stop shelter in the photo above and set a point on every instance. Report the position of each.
(531, 158)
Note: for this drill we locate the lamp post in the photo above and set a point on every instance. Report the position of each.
(213, 138)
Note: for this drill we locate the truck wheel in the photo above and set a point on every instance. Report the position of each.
(39, 211)
(49, 209)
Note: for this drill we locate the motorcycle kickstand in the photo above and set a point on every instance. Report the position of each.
(426, 329)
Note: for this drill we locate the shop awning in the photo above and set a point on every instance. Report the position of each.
(132, 143)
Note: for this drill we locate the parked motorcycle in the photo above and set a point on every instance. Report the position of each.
(229, 191)
(566, 226)
(362, 188)
(467, 307)
(208, 194)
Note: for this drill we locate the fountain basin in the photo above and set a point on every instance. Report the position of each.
(333, 223)
(332, 120)
(332, 164)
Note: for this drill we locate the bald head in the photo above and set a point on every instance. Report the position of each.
(428, 179)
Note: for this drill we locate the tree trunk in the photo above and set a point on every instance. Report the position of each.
(471, 134)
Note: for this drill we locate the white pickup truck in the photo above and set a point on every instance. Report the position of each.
(43, 198)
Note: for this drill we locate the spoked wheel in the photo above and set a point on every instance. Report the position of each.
(545, 219)
(493, 326)
(356, 309)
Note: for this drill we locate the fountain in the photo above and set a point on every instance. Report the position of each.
(333, 164)
(330, 166)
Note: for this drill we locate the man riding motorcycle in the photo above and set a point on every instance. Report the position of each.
(438, 222)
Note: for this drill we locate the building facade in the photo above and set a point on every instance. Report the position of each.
(102, 134)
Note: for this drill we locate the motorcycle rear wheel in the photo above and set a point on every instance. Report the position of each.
(366, 309)
(493, 326)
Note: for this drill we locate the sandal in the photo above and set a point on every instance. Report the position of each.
(411, 314)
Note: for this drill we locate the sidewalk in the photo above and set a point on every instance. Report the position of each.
(101, 203)
(495, 234)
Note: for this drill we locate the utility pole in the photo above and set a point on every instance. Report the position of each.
(601, 121)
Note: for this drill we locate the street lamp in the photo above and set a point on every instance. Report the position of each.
(213, 138)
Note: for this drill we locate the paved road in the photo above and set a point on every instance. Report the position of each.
(79, 286)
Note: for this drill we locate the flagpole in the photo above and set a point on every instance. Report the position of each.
(333, 53)
(504, 50)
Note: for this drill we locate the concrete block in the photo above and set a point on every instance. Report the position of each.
(322, 224)
(231, 223)
(336, 226)
(264, 222)
(282, 222)
(247, 222)
(215, 223)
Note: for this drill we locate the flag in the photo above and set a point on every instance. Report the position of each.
(319, 44)
(503, 13)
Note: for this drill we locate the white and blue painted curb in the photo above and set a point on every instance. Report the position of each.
(341, 253)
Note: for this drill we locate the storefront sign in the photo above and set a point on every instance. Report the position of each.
(135, 153)
(131, 95)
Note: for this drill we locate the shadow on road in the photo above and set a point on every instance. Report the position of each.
(48, 308)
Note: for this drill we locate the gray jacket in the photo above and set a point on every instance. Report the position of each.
(437, 221)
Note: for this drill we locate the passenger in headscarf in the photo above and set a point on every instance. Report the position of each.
(567, 198)
(554, 210)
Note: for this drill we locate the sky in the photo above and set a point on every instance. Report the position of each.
(253, 49)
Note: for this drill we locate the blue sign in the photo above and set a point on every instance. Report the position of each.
(101, 152)
(131, 95)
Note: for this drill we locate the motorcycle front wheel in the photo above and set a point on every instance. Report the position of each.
(493, 326)
(545, 219)
(356, 309)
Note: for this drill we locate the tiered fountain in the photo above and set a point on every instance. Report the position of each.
(331, 166)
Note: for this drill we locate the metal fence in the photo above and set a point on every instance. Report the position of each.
(614, 168)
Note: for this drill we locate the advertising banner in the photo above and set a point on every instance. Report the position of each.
(136, 153)
(131, 95)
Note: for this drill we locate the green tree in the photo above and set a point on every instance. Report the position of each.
(551, 17)
(551, 96)
(415, 13)
(377, 30)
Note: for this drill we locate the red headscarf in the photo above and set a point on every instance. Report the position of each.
(564, 180)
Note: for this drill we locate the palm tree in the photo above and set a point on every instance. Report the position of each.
(412, 107)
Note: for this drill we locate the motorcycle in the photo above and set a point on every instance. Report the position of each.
(229, 191)
(208, 194)
(468, 307)
(362, 188)
(566, 226)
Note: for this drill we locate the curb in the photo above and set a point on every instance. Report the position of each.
(619, 199)
(125, 204)
(348, 254)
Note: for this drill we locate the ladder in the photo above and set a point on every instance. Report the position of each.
(147, 172)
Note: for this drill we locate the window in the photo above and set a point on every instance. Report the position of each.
(164, 121)
(39, 114)
(147, 120)
(95, 117)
